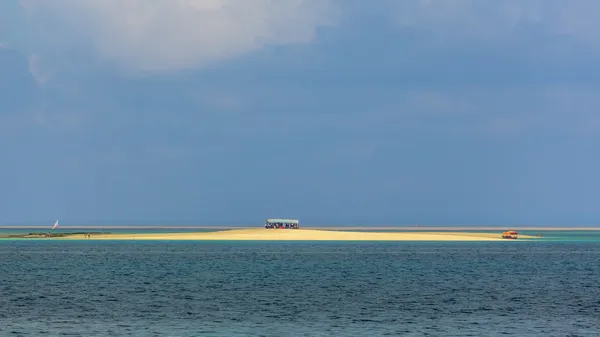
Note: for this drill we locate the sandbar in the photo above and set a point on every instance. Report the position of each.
(260, 234)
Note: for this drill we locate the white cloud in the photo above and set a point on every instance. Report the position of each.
(166, 35)
(37, 70)
(482, 19)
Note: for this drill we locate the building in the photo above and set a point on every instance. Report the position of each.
(282, 223)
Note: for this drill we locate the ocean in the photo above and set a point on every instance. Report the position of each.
(201, 288)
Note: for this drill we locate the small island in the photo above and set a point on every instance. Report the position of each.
(49, 235)
(260, 234)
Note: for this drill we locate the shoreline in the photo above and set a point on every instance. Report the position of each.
(294, 235)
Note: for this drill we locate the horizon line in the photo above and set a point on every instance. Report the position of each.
(324, 227)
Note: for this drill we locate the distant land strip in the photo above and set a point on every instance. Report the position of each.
(416, 228)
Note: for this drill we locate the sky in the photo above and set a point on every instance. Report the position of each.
(207, 112)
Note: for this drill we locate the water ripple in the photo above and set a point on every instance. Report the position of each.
(298, 289)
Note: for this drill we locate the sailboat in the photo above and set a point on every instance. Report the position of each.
(53, 228)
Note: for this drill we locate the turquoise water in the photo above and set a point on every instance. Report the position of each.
(160, 288)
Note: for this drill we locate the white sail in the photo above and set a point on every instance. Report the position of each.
(55, 225)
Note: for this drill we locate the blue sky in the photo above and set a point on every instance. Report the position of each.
(333, 112)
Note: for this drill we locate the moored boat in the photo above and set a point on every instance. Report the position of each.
(510, 235)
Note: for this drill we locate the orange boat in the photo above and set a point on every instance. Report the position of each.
(510, 235)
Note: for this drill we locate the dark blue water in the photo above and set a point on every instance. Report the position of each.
(107, 288)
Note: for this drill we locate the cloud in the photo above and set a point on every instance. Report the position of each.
(168, 35)
(483, 19)
(37, 70)
(17, 85)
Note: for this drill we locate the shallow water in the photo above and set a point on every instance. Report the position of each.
(116, 288)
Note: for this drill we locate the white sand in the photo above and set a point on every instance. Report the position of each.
(301, 235)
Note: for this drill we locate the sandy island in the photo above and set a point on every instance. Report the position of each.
(297, 235)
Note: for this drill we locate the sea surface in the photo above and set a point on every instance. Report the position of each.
(549, 287)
